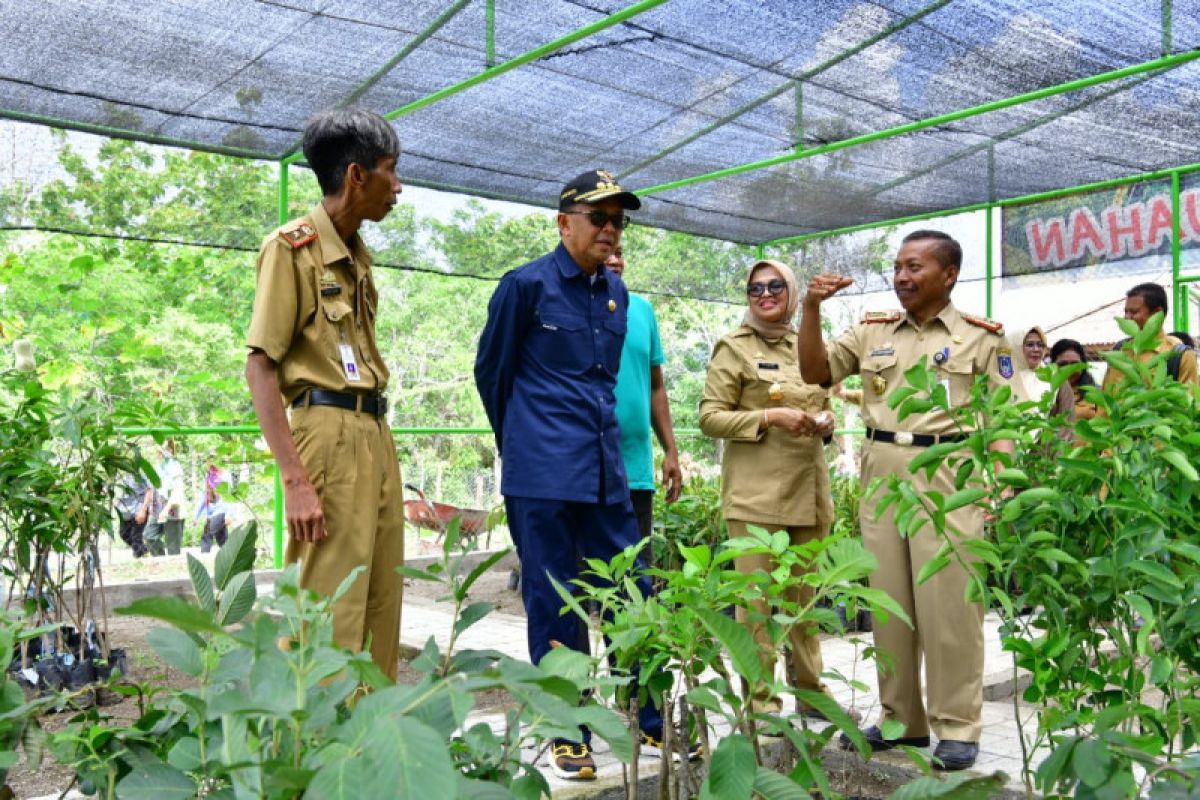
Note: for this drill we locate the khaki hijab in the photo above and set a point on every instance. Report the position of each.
(781, 328)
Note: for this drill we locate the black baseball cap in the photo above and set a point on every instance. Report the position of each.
(594, 186)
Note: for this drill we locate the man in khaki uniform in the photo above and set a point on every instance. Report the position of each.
(1142, 302)
(947, 631)
(312, 341)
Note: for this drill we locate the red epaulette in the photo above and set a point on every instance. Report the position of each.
(871, 317)
(298, 234)
(989, 325)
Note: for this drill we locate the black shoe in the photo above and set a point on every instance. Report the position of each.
(951, 756)
(652, 745)
(878, 743)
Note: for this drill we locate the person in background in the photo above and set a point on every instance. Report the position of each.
(1184, 338)
(773, 474)
(133, 508)
(643, 405)
(1065, 353)
(164, 529)
(1032, 348)
(1141, 303)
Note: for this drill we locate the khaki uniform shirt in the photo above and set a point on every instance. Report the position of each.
(772, 476)
(886, 344)
(1187, 363)
(313, 296)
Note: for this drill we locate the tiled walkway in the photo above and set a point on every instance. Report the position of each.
(1000, 747)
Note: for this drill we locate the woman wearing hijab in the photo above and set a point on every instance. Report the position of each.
(1065, 353)
(1032, 348)
(773, 474)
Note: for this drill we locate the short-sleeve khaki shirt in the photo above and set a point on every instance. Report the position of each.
(886, 344)
(315, 294)
(769, 476)
(1187, 363)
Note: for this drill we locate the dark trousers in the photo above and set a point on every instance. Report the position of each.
(551, 536)
(643, 509)
(131, 534)
(214, 529)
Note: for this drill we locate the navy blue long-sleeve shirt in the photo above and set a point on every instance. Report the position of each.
(545, 370)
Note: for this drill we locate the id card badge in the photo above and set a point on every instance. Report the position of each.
(349, 365)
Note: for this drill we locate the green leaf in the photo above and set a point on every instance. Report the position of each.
(964, 497)
(1011, 476)
(174, 610)
(1180, 462)
(1092, 762)
(932, 567)
(609, 727)
(732, 774)
(1157, 572)
(237, 599)
(472, 614)
(736, 639)
(178, 649)
(237, 555)
(1161, 669)
(156, 782)
(770, 785)
(481, 568)
(201, 583)
(960, 786)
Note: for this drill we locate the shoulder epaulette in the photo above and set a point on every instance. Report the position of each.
(298, 233)
(871, 317)
(989, 325)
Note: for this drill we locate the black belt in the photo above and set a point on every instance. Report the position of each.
(374, 404)
(906, 439)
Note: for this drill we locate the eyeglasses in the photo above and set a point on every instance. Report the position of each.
(774, 287)
(602, 218)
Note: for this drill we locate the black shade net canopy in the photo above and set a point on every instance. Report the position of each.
(850, 112)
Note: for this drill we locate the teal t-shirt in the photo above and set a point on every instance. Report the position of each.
(642, 351)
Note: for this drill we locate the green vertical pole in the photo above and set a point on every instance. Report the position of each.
(489, 17)
(760, 252)
(1167, 37)
(988, 260)
(1178, 289)
(278, 519)
(799, 138)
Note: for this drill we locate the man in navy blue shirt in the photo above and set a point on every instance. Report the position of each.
(545, 370)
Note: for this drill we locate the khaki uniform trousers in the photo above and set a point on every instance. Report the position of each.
(947, 631)
(803, 657)
(351, 460)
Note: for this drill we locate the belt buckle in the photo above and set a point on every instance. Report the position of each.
(904, 438)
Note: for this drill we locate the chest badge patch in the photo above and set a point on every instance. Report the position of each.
(612, 305)
(330, 285)
(879, 384)
(775, 391)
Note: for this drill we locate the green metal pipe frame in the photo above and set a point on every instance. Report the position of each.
(930, 122)
(391, 63)
(771, 95)
(1176, 255)
(489, 33)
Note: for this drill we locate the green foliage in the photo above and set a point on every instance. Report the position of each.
(19, 728)
(277, 711)
(1098, 533)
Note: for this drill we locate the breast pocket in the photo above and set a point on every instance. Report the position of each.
(336, 314)
(613, 340)
(880, 376)
(958, 376)
(559, 341)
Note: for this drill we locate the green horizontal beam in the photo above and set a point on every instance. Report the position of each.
(930, 122)
(1052, 194)
(134, 135)
(254, 429)
(795, 82)
(391, 63)
(513, 63)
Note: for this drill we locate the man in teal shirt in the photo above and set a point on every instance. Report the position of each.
(642, 404)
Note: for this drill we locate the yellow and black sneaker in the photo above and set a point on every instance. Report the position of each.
(652, 745)
(572, 761)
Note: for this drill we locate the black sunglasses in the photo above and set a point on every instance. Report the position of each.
(602, 218)
(774, 287)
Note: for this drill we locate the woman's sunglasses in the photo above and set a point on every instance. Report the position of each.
(602, 218)
(774, 287)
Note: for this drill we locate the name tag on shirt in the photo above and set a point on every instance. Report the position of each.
(767, 365)
(349, 365)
